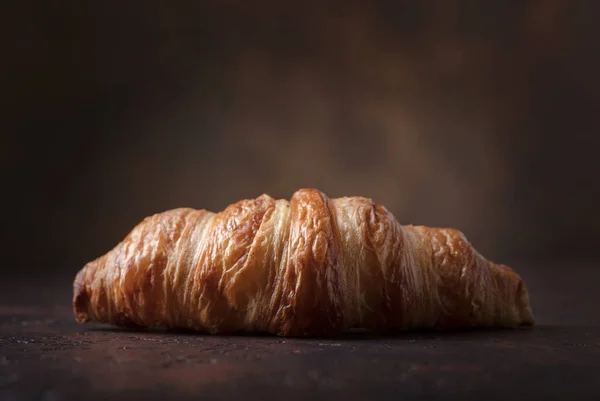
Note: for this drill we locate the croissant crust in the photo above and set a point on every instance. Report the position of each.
(313, 266)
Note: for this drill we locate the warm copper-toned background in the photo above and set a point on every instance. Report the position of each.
(450, 113)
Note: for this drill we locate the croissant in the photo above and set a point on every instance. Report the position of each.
(313, 266)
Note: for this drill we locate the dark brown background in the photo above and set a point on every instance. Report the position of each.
(450, 113)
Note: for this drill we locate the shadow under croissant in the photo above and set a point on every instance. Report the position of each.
(352, 334)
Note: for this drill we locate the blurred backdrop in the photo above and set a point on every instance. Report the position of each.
(482, 117)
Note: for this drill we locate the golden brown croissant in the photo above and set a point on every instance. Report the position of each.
(312, 266)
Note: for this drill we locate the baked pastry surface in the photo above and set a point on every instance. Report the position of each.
(311, 266)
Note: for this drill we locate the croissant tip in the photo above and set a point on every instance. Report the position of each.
(529, 319)
(80, 299)
(524, 303)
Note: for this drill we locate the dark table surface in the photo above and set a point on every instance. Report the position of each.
(45, 355)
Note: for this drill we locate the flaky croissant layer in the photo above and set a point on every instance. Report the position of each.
(312, 266)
